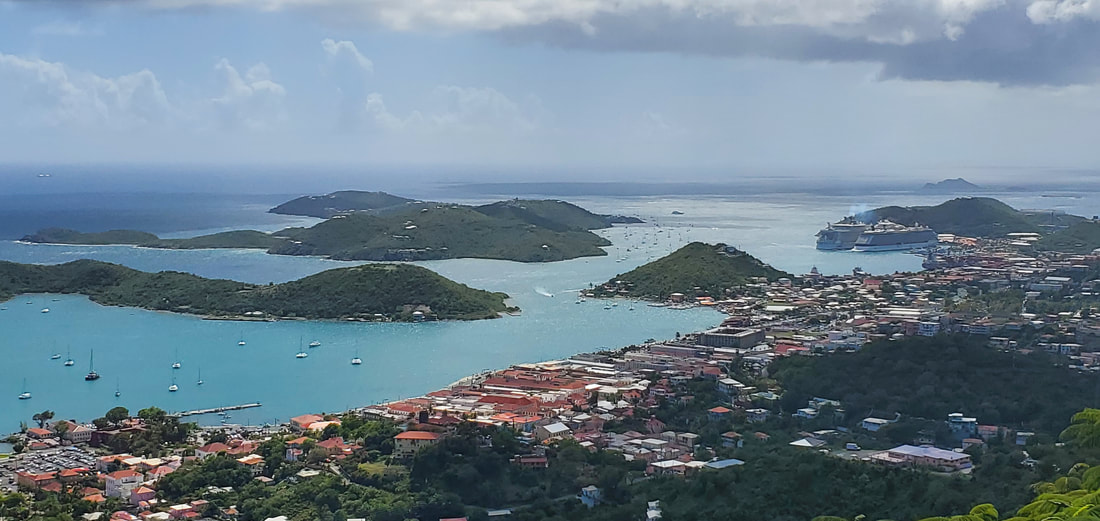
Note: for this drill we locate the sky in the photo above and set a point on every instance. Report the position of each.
(564, 86)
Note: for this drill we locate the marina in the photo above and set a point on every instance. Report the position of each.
(216, 410)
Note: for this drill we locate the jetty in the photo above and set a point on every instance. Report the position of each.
(216, 410)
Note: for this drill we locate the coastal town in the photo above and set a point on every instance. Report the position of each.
(713, 387)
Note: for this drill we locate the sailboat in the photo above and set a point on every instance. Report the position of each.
(92, 375)
(356, 360)
(301, 352)
(68, 357)
(117, 391)
(241, 342)
(314, 344)
(200, 382)
(173, 388)
(55, 356)
(177, 364)
(25, 395)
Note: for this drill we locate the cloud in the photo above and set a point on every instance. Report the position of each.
(467, 110)
(51, 94)
(66, 28)
(1009, 42)
(251, 101)
(346, 48)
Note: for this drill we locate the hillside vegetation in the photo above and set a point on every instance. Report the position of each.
(1082, 237)
(342, 202)
(968, 216)
(933, 377)
(392, 290)
(517, 230)
(696, 269)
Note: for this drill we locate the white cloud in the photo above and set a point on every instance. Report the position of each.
(336, 49)
(251, 101)
(66, 28)
(460, 110)
(50, 93)
(1053, 11)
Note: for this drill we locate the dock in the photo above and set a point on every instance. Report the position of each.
(216, 410)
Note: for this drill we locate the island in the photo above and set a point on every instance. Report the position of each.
(697, 269)
(339, 203)
(970, 216)
(516, 230)
(397, 292)
(957, 185)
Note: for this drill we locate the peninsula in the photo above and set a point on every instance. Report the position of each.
(697, 269)
(516, 230)
(970, 216)
(370, 292)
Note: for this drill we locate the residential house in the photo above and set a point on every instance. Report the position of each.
(210, 449)
(142, 494)
(121, 482)
(254, 462)
(551, 431)
(303, 422)
(873, 424)
(756, 415)
(34, 481)
(590, 496)
(408, 443)
(732, 439)
(923, 456)
(719, 413)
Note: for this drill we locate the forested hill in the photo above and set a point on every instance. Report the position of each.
(933, 377)
(968, 216)
(1082, 237)
(391, 290)
(694, 270)
(342, 202)
(524, 231)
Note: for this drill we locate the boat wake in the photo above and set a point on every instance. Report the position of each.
(542, 291)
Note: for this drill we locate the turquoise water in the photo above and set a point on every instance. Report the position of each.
(136, 348)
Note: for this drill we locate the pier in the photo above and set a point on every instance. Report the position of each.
(216, 410)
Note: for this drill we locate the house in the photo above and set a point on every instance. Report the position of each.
(531, 461)
(923, 456)
(722, 464)
(590, 496)
(718, 413)
(756, 415)
(140, 494)
(873, 424)
(39, 434)
(35, 481)
(254, 462)
(120, 483)
(303, 422)
(408, 443)
(551, 431)
(808, 443)
(973, 442)
(667, 468)
(210, 449)
(730, 387)
(336, 446)
(1023, 436)
(962, 426)
(928, 328)
(988, 432)
(732, 439)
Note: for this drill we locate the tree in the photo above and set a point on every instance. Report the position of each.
(1084, 429)
(117, 414)
(42, 418)
(316, 455)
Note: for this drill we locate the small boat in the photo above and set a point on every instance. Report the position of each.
(117, 391)
(92, 375)
(314, 344)
(200, 382)
(25, 395)
(45, 310)
(241, 342)
(173, 388)
(55, 356)
(301, 354)
(607, 306)
(177, 364)
(356, 360)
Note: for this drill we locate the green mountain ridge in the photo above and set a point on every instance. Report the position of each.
(1081, 237)
(341, 202)
(969, 216)
(696, 269)
(360, 292)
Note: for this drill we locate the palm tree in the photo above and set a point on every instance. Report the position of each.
(1084, 429)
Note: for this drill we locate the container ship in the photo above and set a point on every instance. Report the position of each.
(840, 236)
(889, 236)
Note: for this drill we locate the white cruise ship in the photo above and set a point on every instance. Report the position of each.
(840, 236)
(890, 236)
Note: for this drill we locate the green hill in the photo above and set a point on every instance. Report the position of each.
(1082, 237)
(342, 202)
(555, 215)
(230, 239)
(696, 269)
(440, 232)
(968, 216)
(393, 290)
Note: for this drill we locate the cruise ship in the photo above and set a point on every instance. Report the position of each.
(889, 236)
(840, 236)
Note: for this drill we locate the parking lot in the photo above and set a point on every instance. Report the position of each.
(38, 462)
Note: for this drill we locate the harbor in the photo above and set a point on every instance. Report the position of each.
(216, 410)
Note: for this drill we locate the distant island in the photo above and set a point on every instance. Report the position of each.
(951, 186)
(382, 227)
(398, 292)
(697, 269)
(970, 216)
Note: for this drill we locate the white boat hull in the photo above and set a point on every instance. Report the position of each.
(896, 247)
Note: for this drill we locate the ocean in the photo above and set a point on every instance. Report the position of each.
(134, 349)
